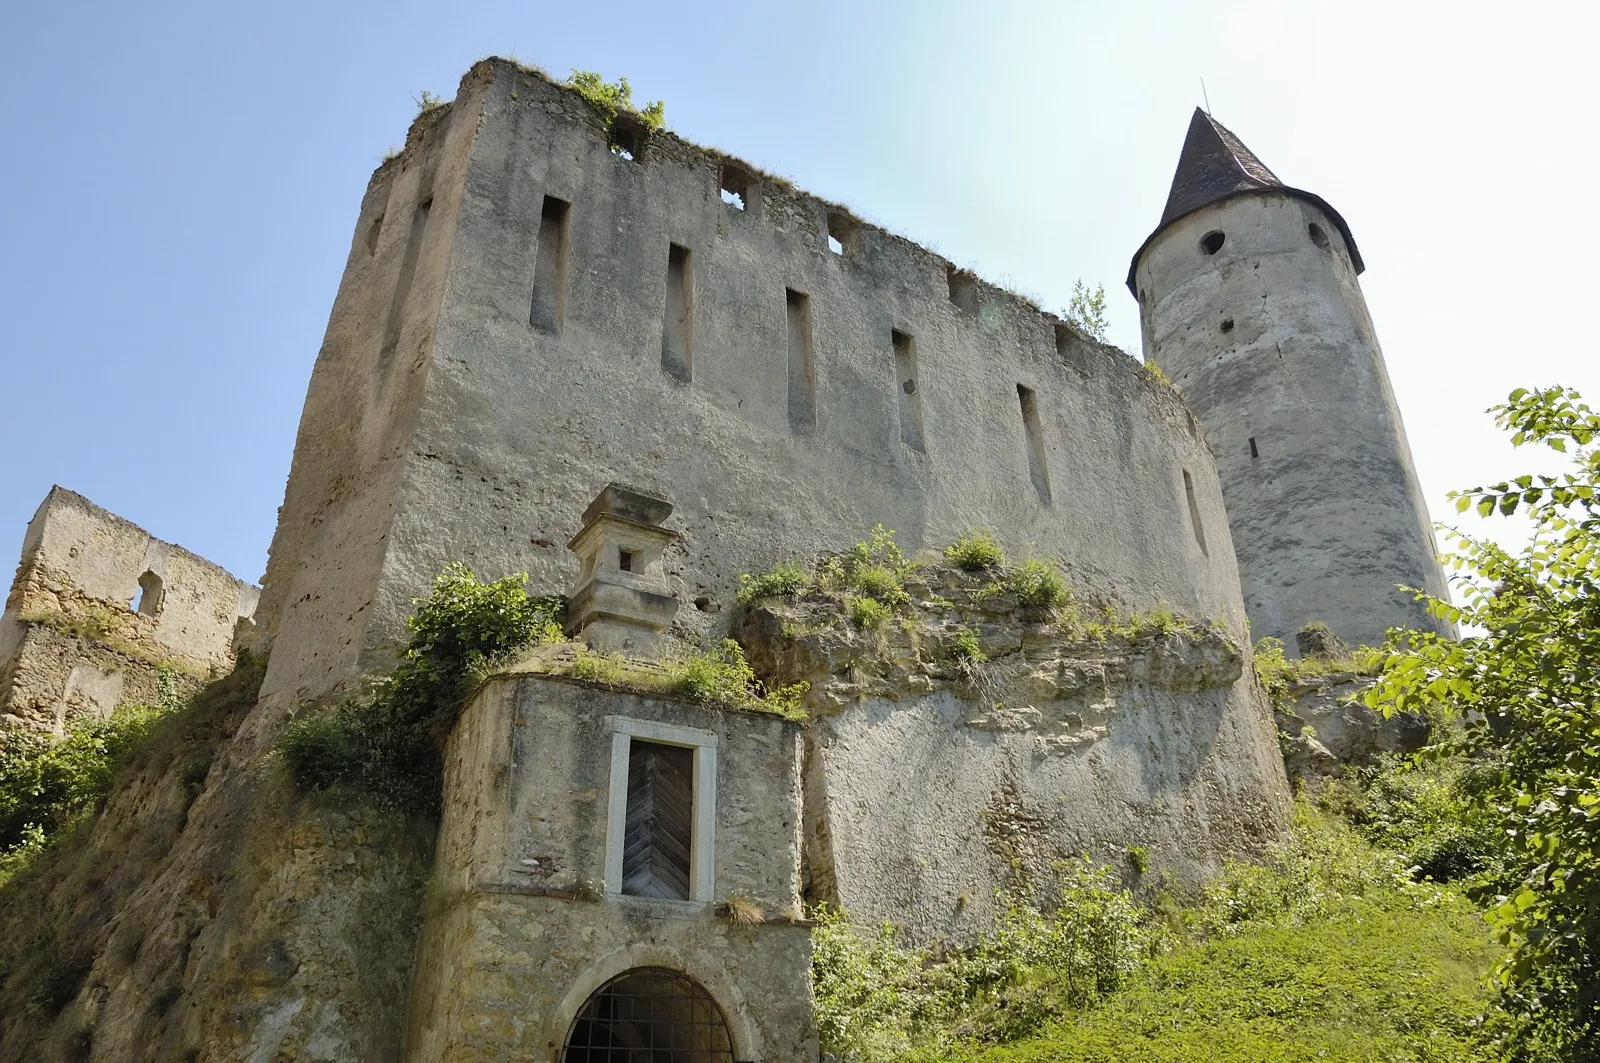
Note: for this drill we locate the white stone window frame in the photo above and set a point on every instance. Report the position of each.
(702, 838)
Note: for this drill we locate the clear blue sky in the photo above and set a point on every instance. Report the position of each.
(180, 182)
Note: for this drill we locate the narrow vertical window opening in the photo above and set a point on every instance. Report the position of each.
(550, 268)
(148, 600)
(1038, 470)
(659, 828)
(1194, 512)
(1254, 453)
(907, 390)
(373, 232)
(802, 366)
(625, 560)
(408, 270)
(677, 330)
(1064, 338)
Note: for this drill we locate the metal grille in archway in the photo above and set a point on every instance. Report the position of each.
(649, 1015)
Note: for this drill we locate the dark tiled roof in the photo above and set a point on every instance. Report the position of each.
(1215, 165)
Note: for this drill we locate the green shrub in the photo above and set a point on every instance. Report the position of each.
(46, 784)
(868, 613)
(964, 646)
(975, 552)
(608, 98)
(1037, 584)
(786, 580)
(389, 744)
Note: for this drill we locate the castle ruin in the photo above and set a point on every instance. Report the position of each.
(559, 330)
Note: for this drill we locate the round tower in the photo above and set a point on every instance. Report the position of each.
(1249, 301)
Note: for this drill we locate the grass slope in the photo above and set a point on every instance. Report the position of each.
(1377, 978)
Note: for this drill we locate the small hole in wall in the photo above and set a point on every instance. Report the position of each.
(625, 560)
(1318, 237)
(1227, 324)
(1212, 242)
(834, 245)
(705, 605)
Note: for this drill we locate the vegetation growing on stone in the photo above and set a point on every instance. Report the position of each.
(975, 551)
(608, 99)
(48, 785)
(388, 744)
(718, 676)
(1278, 673)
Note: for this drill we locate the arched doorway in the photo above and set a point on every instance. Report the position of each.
(649, 1015)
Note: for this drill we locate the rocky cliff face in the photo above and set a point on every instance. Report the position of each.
(206, 914)
(961, 749)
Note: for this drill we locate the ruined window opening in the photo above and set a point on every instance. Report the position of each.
(550, 269)
(1227, 324)
(1253, 452)
(373, 231)
(677, 329)
(1064, 339)
(1318, 237)
(148, 600)
(1194, 512)
(736, 186)
(624, 139)
(408, 271)
(1212, 242)
(802, 365)
(625, 560)
(963, 289)
(842, 234)
(1038, 470)
(908, 394)
(649, 1013)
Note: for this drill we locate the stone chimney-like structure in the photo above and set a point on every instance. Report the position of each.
(622, 603)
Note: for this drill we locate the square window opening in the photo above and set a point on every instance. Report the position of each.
(963, 290)
(626, 138)
(842, 234)
(625, 560)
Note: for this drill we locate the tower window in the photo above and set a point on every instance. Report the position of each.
(1212, 242)
(1318, 237)
(625, 560)
(1254, 453)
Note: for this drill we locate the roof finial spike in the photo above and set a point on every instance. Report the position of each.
(1205, 97)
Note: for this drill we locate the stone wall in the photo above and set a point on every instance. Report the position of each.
(487, 438)
(523, 925)
(100, 610)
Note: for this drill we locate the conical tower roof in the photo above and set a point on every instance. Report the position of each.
(1215, 165)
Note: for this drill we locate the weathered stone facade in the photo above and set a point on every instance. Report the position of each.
(535, 306)
(100, 610)
(525, 922)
